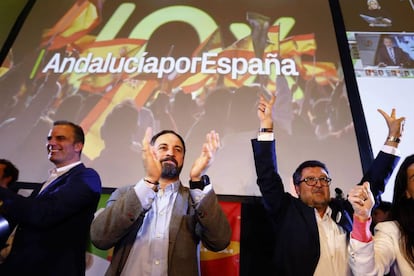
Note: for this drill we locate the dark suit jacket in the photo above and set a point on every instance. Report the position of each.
(119, 223)
(53, 228)
(401, 57)
(297, 248)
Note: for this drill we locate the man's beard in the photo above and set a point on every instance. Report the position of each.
(170, 171)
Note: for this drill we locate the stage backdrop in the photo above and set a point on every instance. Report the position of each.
(117, 67)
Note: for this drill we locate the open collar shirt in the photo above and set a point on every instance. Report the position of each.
(149, 254)
(333, 259)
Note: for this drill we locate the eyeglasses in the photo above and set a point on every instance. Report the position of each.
(311, 181)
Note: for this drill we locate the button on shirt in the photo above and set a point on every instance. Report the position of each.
(149, 254)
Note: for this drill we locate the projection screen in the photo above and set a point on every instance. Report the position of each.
(382, 84)
(118, 67)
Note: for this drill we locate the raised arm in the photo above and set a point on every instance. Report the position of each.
(126, 207)
(268, 179)
(369, 256)
(122, 211)
(206, 158)
(213, 227)
(385, 162)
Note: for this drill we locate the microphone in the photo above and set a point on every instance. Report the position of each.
(339, 194)
(4, 231)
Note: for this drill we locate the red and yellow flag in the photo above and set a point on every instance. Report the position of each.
(227, 261)
(118, 48)
(195, 83)
(298, 45)
(323, 72)
(80, 19)
(213, 43)
(273, 46)
(306, 44)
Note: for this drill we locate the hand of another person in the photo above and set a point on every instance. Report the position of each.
(395, 125)
(151, 165)
(206, 158)
(362, 201)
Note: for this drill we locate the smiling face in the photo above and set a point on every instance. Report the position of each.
(61, 146)
(169, 150)
(373, 5)
(317, 196)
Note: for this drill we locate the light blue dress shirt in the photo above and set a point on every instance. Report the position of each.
(149, 254)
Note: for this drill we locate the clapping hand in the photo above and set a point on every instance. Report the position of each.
(206, 158)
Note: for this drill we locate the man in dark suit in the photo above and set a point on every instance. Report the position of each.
(156, 225)
(312, 231)
(390, 55)
(53, 228)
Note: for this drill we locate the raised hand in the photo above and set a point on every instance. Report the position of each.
(151, 165)
(206, 158)
(395, 125)
(264, 111)
(362, 201)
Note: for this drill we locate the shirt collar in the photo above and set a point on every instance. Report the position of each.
(326, 215)
(173, 187)
(64, 168)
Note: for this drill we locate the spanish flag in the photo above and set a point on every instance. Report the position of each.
(80, 20)
(227, 261)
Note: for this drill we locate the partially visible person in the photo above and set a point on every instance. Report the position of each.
(312, 231)
(119, 154)
(8, 173)
(157, 224)
(8, 176)
(380, 213)
(53, 228)
(391, 249)
(376, 15)
(389, 54)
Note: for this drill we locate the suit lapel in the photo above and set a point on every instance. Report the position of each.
(310, 218)
(58, 181)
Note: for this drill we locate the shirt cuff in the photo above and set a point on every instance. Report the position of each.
(391, 150)
(265, 136)
(360, 230)
(198, 194)
(144, 193)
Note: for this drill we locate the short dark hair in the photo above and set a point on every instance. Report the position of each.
(10, 170)
(167, 131)
(77, 130)
(388, 37)
(297, 175)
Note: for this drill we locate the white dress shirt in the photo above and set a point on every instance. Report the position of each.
(56, 172)
(333, 243)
